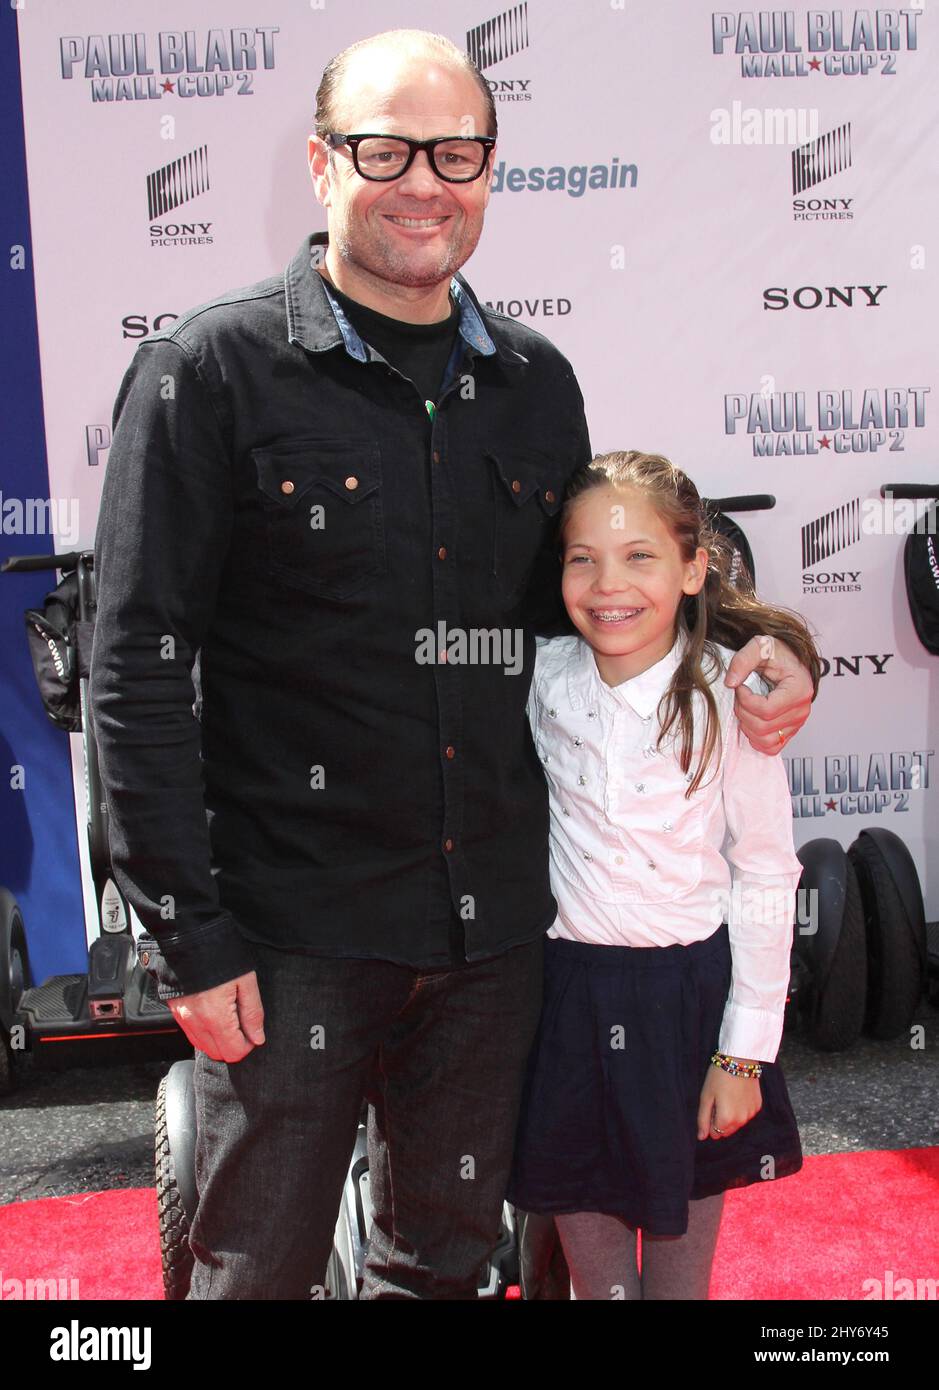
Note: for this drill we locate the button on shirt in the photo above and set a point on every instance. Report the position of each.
(279, 502)
(636, 863)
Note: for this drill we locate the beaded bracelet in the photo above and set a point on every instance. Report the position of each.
(735, 1068)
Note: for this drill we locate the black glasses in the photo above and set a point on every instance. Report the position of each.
(453, 158)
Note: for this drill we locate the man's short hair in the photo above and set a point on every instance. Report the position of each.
(404, 40)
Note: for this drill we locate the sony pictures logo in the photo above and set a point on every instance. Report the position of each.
(496, 39)
(168, 188)
(183, 63)
(814, 163)
(836, 43)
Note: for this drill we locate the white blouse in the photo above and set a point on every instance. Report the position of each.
(636, 863)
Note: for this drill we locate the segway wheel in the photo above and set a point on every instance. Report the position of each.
(932, 950)
(174, 1224)
(837, 1017)
(6, 1065)
(895, 930)
(15, 979)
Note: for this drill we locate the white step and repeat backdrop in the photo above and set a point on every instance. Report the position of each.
(722, 218)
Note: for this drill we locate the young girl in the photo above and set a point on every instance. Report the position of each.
(652, 1086)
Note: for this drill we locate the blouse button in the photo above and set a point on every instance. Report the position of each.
(646, 718)
(591, 714)
(553, 713)
(618, 859)
(577, 741)
(565, 811)
(581, 780)
(640, 786)
(650, 863)
(587, 854)
(667, 825)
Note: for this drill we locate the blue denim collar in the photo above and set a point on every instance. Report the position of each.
(316, 321)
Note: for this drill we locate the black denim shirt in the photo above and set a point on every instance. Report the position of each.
(279, 503)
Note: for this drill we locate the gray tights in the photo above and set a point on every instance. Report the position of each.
(601, 1255)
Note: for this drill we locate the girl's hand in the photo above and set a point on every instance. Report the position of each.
(727, 1103)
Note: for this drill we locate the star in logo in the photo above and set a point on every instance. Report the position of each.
(167, 86)
(825, 442)
(815, 65)
(831, 805)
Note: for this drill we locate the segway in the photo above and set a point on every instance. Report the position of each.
(921, 573)
(865, 964)
(175, 1146)
(829, 959)
(115, 998)
(863, 961)
(895, 930)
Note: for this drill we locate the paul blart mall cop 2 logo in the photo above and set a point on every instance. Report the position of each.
(182, 63)
(837, 421)
(833, 43)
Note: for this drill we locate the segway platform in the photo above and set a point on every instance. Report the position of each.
(66, 1008)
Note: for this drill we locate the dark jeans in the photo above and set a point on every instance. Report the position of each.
(439, 1054)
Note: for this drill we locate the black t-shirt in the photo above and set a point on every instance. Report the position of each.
(420, 351)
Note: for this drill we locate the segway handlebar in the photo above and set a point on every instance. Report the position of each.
(910, 491)
(751, 502)
(20, 564)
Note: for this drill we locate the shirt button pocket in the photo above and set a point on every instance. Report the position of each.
(323, 521)
(525, 498)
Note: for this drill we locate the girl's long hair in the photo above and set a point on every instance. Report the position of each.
(722, 611)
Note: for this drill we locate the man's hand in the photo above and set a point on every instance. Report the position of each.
(763, 717)
(226, 1022)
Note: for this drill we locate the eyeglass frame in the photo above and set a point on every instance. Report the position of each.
(335, 138)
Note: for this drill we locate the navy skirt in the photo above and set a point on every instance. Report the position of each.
(609, 1108)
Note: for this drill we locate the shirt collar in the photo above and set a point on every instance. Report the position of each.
(316, 321)
(641, 693)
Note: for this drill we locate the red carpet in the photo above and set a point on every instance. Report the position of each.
(845, 1219)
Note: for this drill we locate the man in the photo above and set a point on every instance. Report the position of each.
(338, 489)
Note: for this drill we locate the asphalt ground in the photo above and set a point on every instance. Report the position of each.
(91, 1127)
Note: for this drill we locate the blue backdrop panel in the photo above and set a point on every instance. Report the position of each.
(38, 839)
